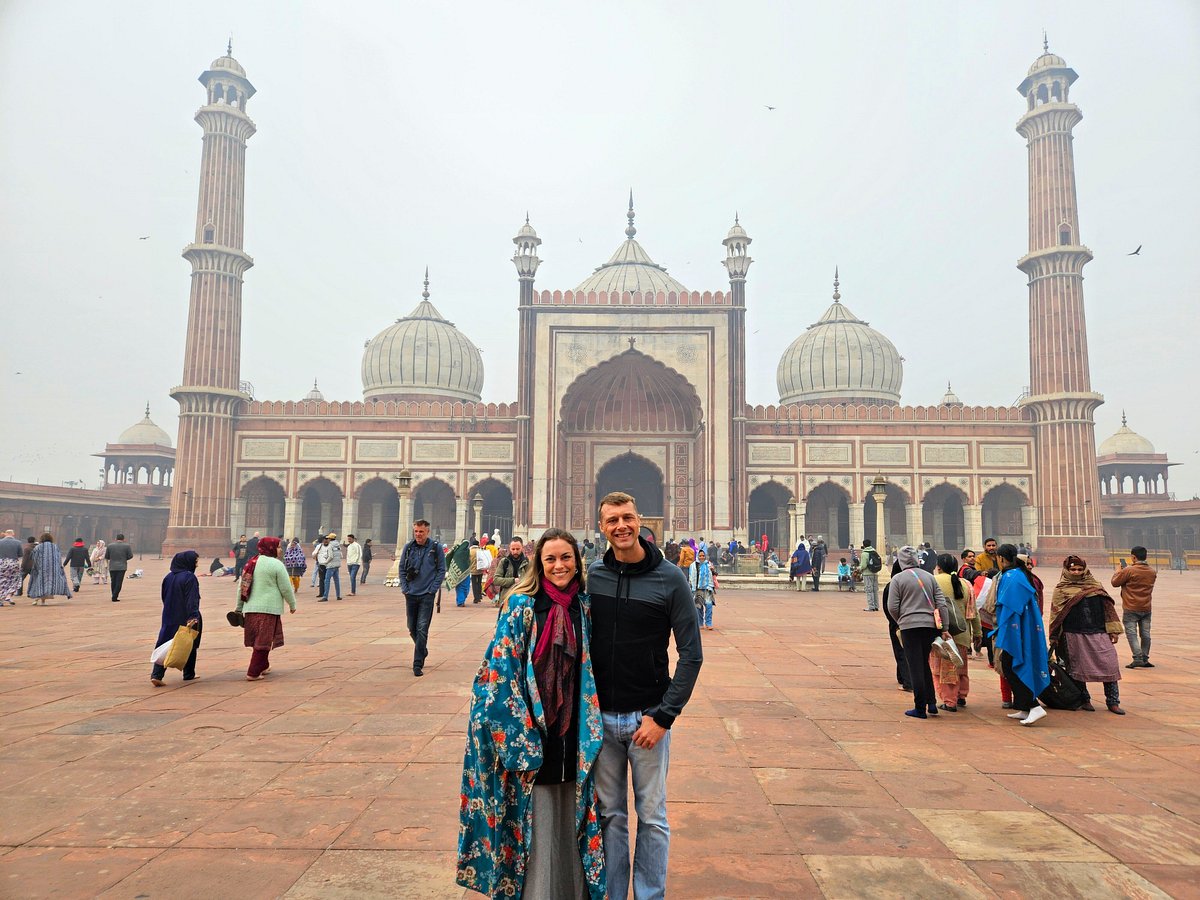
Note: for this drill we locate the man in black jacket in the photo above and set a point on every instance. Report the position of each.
(638, 601)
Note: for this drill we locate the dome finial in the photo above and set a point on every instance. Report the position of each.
(1045, 42)
(1124, 424)
(147, 409)
(836, 294)
(425, 293)
(630, 231)
(229, 47)
(736, 220)
(526, 217)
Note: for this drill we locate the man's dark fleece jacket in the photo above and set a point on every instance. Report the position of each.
(635, 607)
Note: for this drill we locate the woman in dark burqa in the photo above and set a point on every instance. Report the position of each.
(181, 606)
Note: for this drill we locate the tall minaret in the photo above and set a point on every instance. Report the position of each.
(211, 388)
(526, 260)
(737, 262)
(1061, 395)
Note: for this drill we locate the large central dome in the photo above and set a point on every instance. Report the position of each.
(840, 359)
(630, 268)
(422, 356)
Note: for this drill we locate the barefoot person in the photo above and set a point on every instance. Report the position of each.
(528, 821)
(181, 606)
(638, 601)
(265, 588)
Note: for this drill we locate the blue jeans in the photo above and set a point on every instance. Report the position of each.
(333, 576)
(1139, 644)
(353, 570)
(419, 608)
(618, 757)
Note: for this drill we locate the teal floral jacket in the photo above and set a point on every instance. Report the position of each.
(504, 753)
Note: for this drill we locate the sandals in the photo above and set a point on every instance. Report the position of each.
(947, 707)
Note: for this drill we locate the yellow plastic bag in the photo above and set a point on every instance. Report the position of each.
(181, 648)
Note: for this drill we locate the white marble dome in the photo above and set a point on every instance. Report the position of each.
(630, 268)
(1047, 60)
(229, 64)
(422, 355)
(1125, 441)
(145, 433)
(840, 359)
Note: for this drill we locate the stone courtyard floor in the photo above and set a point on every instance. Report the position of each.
(793, 771)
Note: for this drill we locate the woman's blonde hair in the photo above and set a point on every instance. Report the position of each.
(531, 581)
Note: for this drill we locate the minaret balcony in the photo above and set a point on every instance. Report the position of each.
(1060, 259)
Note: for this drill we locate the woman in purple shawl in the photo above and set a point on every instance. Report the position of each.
(181, 606)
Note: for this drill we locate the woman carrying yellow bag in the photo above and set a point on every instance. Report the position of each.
(181, 621)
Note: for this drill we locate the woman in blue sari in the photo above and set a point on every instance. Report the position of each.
(1021, 636)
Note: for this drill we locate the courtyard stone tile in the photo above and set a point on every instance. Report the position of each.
(191, 874)
(299, 824)
(894, 878)
(135, 822)
(379, 875)
(37, 872)
(991, 834)
(1051, 881)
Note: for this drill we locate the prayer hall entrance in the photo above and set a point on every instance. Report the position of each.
(632, 424)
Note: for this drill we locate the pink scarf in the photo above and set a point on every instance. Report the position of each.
(554, 659)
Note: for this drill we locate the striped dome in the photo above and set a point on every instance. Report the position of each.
(422, 355)
(840, 359)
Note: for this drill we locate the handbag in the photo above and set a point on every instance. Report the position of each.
(1062, 692)
(235, 618)
(181, 648)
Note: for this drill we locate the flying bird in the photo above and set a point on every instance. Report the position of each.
(770, 108)
(1137, 252)
(146, 238)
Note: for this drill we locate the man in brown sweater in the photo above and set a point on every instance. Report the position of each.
(1137, 584)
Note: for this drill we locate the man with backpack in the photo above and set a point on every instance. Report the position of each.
(869, 565)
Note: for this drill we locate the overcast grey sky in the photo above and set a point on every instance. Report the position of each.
(395, 136)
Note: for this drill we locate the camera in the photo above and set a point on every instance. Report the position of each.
(411, 573)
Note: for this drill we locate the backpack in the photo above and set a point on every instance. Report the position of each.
(874, 561)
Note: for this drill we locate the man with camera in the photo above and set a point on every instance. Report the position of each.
(422, 570)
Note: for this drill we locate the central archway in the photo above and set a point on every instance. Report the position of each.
(634, 475)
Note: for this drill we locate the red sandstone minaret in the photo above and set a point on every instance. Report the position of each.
(211, 388)
(1061, 395)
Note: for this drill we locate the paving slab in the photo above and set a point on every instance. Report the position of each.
(794, 772)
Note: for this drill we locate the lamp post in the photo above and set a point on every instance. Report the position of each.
(879, 494)
(477, 508)
(403, 525)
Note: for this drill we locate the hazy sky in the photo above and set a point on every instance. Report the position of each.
(394, 136)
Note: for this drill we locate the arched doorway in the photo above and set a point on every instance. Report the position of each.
(654, 413)
(263, 498)
(320, 508)
(638, 477)
(942, 519)
(895, 524)
(827, 513)
(768, 514)
(1002, 514)
(378, 512)
(497, 511)
(434, 501)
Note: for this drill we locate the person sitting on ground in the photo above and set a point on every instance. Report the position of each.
(843, 573)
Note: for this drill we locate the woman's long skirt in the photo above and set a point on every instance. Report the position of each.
(264, 632)
(554, 870)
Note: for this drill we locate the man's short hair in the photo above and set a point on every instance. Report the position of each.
(992, 540)
(423, 522)
(120, 537)
(616, 498)
(1138, 553)
(351, 537)
(518, 539)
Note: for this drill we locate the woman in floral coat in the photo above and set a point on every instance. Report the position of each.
(529, 823)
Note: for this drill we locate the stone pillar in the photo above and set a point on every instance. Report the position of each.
(327, 523)
(291, 519)
(349, 516)
(938, 538)
(912, 518)
(404, 520)
(856, 525)
(461, 512)
(1029, 525)
(237, 518)
(973, 525)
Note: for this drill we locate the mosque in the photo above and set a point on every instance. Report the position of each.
(632, 380)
